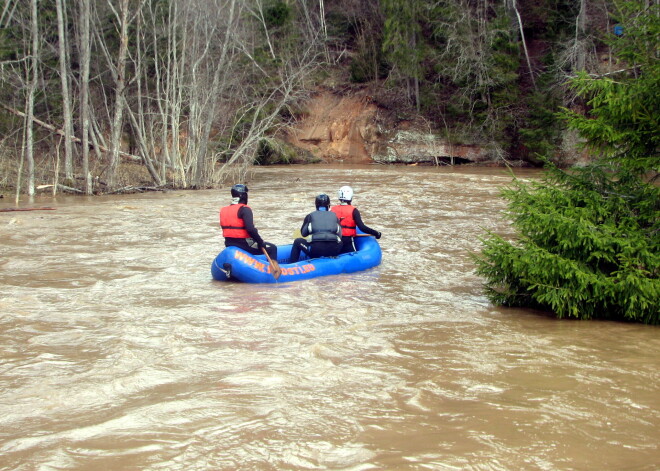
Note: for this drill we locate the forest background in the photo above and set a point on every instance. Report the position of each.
(103, 96)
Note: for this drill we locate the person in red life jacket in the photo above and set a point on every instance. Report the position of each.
(323, 229)
(238, 228)
(350, 218)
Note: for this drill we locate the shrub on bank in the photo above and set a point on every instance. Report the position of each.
(588, 247)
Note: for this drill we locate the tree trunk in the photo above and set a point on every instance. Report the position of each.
(85, 57)
(143, 148)
(580, 28)
(524, 43)
(162, 73)
(175, 99)
(33, 72)
(413, 39)
(200, 176)
(259, 15)
(66, 99)
(120, 86)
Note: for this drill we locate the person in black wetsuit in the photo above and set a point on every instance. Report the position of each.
(323, 227)
(350, 218)
(238, 228)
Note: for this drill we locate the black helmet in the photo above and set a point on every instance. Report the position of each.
(322, 200)
(240, 191)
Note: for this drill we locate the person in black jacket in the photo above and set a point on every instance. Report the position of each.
(238, 228)
(323, 229)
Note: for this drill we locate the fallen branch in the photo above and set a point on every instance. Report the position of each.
(60, 132)
(7, 210)
(136, 189)
(61, 187)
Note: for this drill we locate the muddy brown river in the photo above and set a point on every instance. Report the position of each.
(119, 352)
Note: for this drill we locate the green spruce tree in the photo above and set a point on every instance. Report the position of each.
(402, 42)
(588, 240)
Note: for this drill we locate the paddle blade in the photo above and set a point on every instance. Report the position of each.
(274, 266)
(277, 271)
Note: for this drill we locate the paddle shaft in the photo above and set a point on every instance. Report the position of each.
(277, 271)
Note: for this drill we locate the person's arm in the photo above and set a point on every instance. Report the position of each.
(304, 229)
(245, 214)
(362, 226)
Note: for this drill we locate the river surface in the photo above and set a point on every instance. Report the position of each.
(119, 352)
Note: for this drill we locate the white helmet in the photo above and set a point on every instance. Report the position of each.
(345, 193)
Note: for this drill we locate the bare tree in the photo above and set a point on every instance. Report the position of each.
(33, 77)
(580, 52)
(257, 10)
(174, 89)
(580, 29)
(206, 69)
(8, 12)
(164, 76)
(202, 90)
(142, 122)
(219, 76)
(66, 98)
(291, 76)
(119, 75)
(85, 58)
(514, 7)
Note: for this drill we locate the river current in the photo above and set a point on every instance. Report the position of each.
(119, 352)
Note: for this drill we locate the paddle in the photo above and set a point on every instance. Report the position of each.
(275, 267)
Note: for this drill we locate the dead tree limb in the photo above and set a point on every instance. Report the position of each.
(524, 43)
(60, 132)
(61, 187)
(7, 210)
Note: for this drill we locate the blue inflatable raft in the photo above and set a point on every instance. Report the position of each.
(236, 264)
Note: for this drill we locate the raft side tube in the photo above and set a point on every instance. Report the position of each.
(250, 268)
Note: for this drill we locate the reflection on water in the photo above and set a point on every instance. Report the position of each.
(118, 351)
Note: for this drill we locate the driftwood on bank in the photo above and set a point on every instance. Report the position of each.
(61, 187)
(7, 210)
(136, 189)
(60, 132)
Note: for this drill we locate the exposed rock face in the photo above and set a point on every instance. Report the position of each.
(337, 128)
(351, 129)
(413, 146)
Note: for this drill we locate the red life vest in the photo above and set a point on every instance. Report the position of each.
(345, 214)
(232, 225)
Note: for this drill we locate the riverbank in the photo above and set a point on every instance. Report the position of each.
(133, 177)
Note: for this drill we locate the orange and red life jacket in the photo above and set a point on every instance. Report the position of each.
(232, 225)
(345, 214)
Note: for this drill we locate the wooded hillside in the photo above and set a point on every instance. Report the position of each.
(182, 93)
